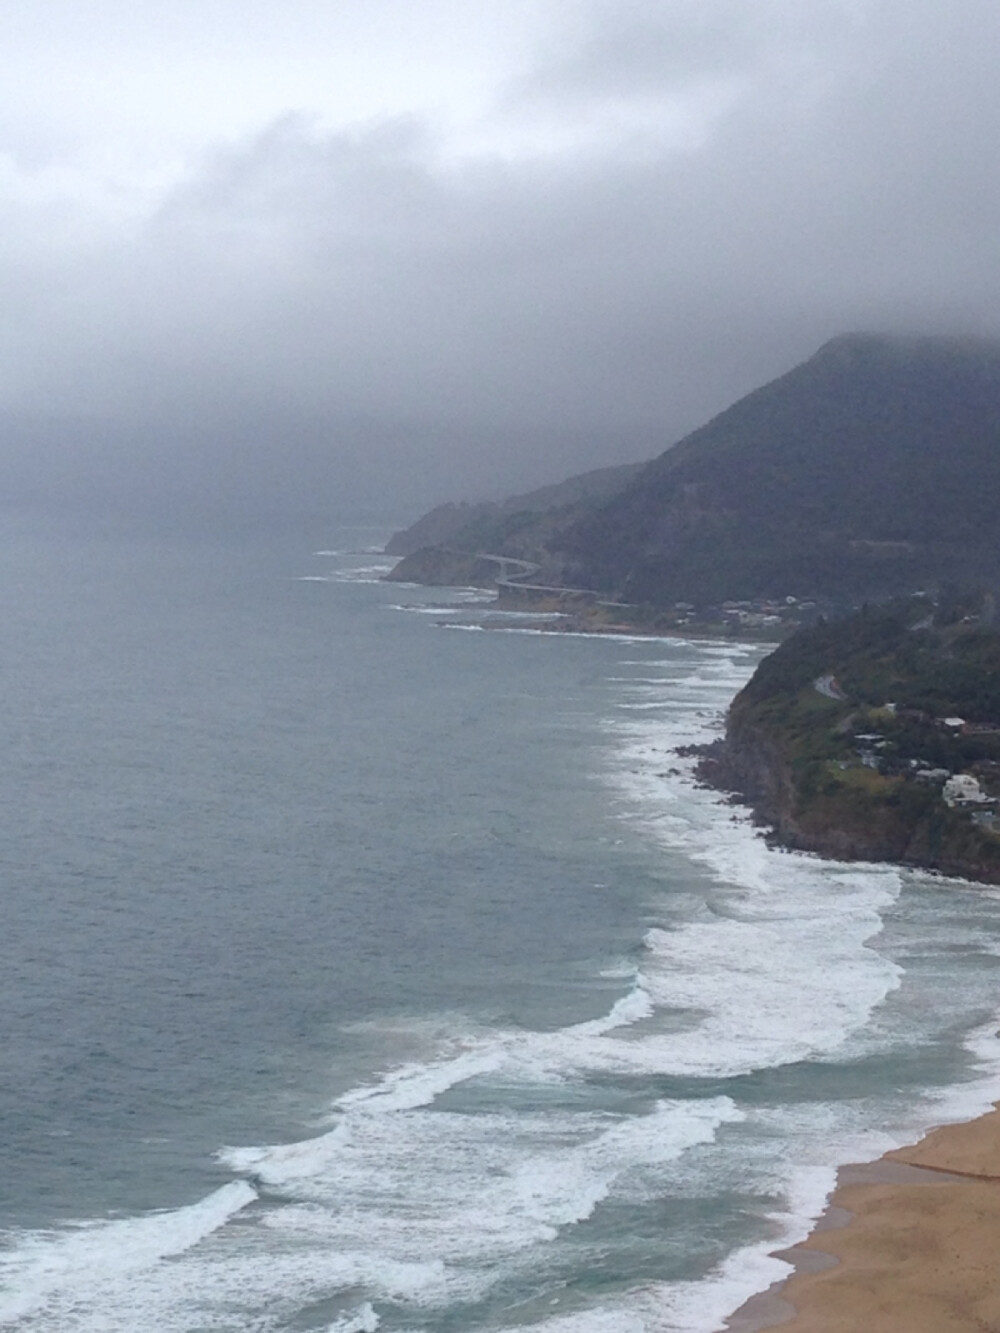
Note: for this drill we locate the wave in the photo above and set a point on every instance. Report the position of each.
(785, 967)
(435, 608)
(492, 1158)
(48, 1273)
(778, 925)
(470, 1189)
(353, 551)
(371, 573)
(703, 1305)
(578, 634)
(362, 1320)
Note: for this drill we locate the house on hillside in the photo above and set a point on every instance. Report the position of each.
(962, 791)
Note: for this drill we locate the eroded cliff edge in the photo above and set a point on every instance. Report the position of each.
(876, 738)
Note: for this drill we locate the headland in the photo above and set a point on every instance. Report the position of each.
(876, 737)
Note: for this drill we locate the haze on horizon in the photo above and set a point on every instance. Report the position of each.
(328, 256)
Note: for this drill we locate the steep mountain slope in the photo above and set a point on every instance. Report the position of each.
(869, 469)
(523, 526)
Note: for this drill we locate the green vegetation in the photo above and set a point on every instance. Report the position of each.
(915, 698)
(941, 659)
(869, 471)
(518, 524)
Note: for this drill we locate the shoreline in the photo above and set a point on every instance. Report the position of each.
(506, 622)
(559, 616)
(909, 1243)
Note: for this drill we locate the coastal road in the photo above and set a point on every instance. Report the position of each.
(511, 569)
(523, 570)
(828, 687)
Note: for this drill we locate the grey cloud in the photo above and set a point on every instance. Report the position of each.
(632, 48)
(356, 315)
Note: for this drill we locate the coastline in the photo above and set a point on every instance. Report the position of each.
(907, 1244)
(567, 611)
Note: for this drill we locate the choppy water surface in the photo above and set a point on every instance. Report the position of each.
(359, 972)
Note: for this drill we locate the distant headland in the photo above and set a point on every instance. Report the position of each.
(867, 477)
(869, 471)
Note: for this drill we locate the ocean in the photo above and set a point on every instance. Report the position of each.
(365, 969)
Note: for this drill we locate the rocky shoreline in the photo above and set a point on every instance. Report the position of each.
(874, 738)
(753, 772)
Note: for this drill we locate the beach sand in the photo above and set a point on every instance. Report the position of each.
(909, 1244)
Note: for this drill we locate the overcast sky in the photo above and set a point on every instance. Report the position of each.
(387, 251)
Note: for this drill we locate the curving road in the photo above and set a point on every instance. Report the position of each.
(527, 568)
(506, 562)
(828, 687)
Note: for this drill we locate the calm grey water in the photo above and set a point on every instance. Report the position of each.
(359, 972)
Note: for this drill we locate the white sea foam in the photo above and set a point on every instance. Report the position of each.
(45, 1268)
(702, 1305)
(440, 608)
(782, 927)
(966, 1101)
(817, 1138)
(404, 1179)
(401, 1176)
(501, 613)
(454, 1171)
(577, 634)
(362, 1320)
(470, 1189)
(244, 1284)
(353, 550)
(778, 925)
(371, 573)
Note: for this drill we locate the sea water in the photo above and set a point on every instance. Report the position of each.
(365, 969)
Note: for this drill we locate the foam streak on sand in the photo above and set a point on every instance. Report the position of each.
(916, 1250)
(800, 927)
(890, 1256)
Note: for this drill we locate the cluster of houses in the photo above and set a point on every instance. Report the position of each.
(959, 791)
(761, 613)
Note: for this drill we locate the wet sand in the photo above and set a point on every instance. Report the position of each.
(909, 1244)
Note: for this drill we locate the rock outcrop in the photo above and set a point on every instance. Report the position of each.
(848, 774)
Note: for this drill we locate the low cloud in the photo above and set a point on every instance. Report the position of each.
(375, 315)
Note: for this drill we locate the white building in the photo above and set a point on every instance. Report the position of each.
(963, 789)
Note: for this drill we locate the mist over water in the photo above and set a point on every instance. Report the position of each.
(358, 973)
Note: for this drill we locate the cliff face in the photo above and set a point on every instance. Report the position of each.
(845, 826)
(841, 774)
(443, 567)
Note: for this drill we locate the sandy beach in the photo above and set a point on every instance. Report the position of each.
(909, 1244)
